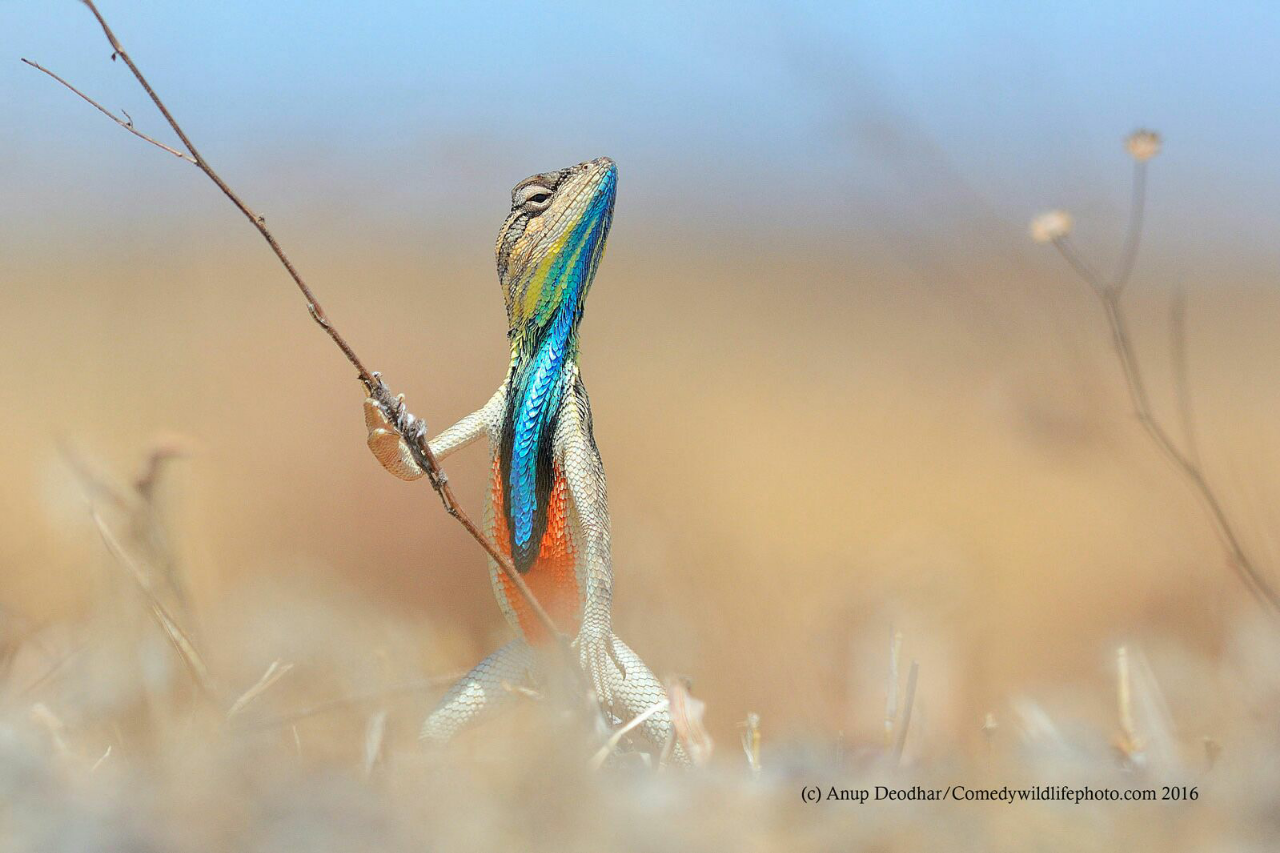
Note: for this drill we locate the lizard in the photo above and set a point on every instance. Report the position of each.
(547, 507)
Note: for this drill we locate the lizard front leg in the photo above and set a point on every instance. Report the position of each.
(387, 442)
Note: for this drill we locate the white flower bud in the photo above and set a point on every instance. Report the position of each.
(1142, 145)
(1051, 225)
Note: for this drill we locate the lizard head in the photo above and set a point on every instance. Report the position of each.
(550, 246)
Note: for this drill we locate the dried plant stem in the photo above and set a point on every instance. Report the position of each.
(1124, 700)
(392, 408)
(907, 701)
(1186, 463)
(1133, 235)
(277, 670)
(891, 687)
(181, 642)
(1182, 373)
(751, 742)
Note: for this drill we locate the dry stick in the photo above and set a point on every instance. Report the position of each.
(391, 407)
(1187, 465)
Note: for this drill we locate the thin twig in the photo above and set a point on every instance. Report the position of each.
(126, 122)
(1079, 264)
(1182, 373)
(53, 670)
(392, 408)
(1133, 235)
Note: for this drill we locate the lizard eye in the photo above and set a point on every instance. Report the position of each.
(531, 198)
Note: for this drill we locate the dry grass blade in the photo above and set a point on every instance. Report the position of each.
(181, 642)
(891, 688)
(1130, 745)
(44, 718)
(1150, 712)
(274, 673)
(605, 751)
(374, 733)
(101, 760)
(751, 742)
(907, 702)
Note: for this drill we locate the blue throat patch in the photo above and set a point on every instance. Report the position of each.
(536, 385)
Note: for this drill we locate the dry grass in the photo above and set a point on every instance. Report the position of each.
(109, 741)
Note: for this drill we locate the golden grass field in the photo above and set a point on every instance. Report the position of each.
(809, 446)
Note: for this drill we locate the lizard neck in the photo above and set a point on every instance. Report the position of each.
(536, 391)
(546, 289)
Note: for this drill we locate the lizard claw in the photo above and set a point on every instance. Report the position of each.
(387, 445)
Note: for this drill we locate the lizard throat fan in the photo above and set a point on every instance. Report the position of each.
(548, 251)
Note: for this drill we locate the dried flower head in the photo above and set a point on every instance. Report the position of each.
(1051, 225)
(1142, 145)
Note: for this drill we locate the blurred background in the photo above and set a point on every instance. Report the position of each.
(838, 390)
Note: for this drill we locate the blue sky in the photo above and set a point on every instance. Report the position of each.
(720, 111)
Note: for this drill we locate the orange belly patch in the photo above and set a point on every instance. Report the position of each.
(552, 578)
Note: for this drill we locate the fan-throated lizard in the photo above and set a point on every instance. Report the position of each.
(547, 508)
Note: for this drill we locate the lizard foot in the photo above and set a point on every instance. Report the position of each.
(388, 446)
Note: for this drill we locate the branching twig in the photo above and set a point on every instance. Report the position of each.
(126, 122)
(1186, 462)
(411, 429)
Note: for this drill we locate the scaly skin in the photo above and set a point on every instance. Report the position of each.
(548, 507)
